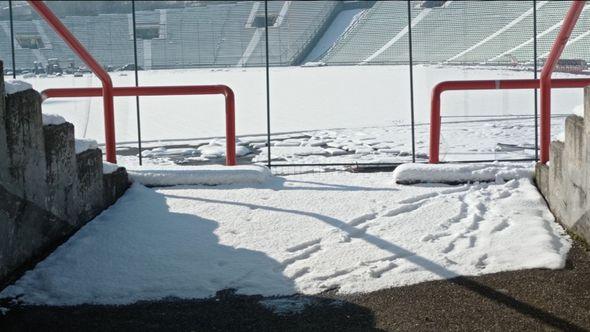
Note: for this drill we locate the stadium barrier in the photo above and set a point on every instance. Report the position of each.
(435, 119)
(227, 92)
(108, 92)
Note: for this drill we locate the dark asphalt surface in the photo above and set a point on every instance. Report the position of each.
(509, 301)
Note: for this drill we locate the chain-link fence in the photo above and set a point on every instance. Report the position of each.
(321, 82)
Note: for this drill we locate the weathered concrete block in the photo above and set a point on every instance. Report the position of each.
(575, 141)
(114, 185)
(26, 231)
(4, 175)
(60, 156)
(26, 147)
(565, 181)
(90, 184)
(542, 178)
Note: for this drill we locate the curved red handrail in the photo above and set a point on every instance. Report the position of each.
(107, 84)
(227, 92)
(435, 120)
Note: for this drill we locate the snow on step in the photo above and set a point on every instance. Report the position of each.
(83, 144)
(195, 175)
(299, 234)
(14, 86)
(53, 119)
(460, 173)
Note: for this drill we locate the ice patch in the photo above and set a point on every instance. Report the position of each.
(198, 175)
(14, 86)
(286, 306)
(460, 173)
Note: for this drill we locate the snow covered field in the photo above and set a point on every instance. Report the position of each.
(297, 234)
(345, 105)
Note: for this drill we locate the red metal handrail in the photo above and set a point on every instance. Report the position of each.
(435, 120)
(560, 42)
(107, 83)
(230, 108)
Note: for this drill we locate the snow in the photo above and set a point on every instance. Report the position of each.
(53, 119)
(378, 98)
(13, 86)
(343, 21)
(108, 168)
(3, 311)
(475, 123)
(306, 234)
(205, 175)
(83, 144)
(579, 111)
(461, 173)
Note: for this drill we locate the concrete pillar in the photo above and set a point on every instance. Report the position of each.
(60, 157)
(26, 146)
(114, 184)
(90, 184)
(4, 178)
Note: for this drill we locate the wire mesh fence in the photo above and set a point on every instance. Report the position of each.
(348, 82)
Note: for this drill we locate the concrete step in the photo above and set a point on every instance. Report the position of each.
(90, 184)
(47, 191)
(62, 184)
(114, 185)
(26, 147)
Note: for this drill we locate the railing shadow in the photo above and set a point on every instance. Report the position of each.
(441, 271)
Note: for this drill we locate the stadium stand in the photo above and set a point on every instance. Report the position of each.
(225, 34)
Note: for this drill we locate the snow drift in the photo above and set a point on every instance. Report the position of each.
(195, 175)
(460, 173)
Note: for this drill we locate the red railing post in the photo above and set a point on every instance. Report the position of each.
(435, 122)
(560, 42)
(107, 84)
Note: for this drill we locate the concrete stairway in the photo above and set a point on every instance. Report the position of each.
(47, 191)
(565, 181)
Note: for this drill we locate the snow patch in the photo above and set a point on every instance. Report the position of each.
(83, 144)
(108, 168)
(460, 173)
(300, 234)
(53, 119)
(579, 111)
(14, 86)
(313, 64)
(198, 175)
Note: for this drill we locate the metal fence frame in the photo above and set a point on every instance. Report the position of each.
(269, 132)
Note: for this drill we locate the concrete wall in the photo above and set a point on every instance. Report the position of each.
(47, 191)
(565, 181)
